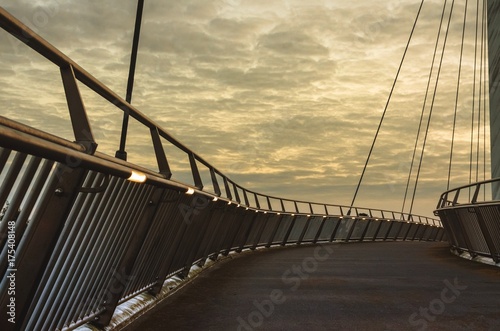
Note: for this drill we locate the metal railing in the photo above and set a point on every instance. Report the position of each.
(471, 219)
(82, 232)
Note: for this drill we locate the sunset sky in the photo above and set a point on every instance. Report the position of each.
(283, 96)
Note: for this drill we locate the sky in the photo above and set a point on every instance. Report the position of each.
(283, 96)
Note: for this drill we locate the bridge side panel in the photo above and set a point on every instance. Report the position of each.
(297, 229)
(474, 229)
(269, 229)
(470, 225)
(96, 235)
(286, 222)
(312, 229)
(328, 228)
(155, 247)
(491, 218)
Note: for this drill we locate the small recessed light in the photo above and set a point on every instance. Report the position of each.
(137, 177)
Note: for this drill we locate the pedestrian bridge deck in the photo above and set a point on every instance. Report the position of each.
(367, 286)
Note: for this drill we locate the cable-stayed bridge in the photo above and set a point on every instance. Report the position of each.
(84, 232)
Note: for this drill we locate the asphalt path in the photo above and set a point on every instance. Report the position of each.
(367, 286)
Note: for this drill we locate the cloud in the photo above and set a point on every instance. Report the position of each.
(284, 96)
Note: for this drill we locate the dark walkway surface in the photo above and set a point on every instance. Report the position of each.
(369, 286)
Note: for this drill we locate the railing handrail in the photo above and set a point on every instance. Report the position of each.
(472, 184)
(471, 226)
(34, 141)
(445, 202)
(44, 48)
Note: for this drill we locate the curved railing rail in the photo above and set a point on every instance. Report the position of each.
(81, 232)
(70, 72)
(471, 219)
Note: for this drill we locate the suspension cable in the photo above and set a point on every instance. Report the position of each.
(423, 106)
(457, 95)
(386, 105)
(432, 106)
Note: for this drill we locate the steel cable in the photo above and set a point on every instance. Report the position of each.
(423, 107)
(386, 106)
(457, 96)
(432, 107)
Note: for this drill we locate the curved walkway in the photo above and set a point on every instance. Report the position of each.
(366, 286)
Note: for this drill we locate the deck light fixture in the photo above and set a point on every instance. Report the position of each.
(137, 177)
